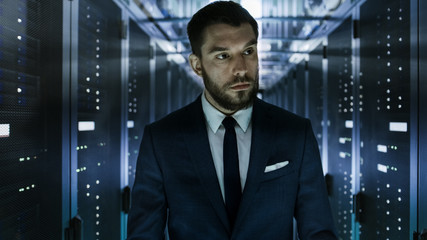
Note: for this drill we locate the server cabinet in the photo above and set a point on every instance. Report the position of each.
(177, 82)
(99, 120)
(283, 90)
(287, 93)
(184, 89)
(139, 93)
(290, 90)
(315, 93)
(280, 94)
(384, 119)
(30, 119)
(161, 86)
(299, 89)
(422, 108)
(272, 96)
(193, 91)
(340, 109)
(373, 93)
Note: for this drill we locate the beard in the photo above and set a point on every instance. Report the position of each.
(219, 93)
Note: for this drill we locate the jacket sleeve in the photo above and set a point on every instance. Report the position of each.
(313, 213)
(147, 216)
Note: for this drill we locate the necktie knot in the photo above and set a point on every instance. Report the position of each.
(229, 123)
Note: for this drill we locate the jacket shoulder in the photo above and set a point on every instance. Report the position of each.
(278, 112)
(181, 116)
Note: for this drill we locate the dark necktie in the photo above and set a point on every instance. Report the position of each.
(233, 190)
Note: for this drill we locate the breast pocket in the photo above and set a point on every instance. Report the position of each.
(280, 172)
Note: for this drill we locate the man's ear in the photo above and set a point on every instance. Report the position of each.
(195, 63)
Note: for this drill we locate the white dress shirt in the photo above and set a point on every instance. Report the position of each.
(216, 133)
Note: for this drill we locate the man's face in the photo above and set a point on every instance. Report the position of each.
(229, 66)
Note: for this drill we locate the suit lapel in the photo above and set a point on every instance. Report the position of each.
(263, 129)
(199, 150)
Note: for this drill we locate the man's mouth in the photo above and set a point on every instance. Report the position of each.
(241, 86)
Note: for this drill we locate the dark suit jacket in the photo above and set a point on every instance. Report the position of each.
(176, 181)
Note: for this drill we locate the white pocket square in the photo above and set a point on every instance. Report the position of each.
(275, 166)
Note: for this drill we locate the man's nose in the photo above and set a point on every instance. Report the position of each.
(239, 66)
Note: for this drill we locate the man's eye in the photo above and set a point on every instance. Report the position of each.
(248, 51)
(222, 56)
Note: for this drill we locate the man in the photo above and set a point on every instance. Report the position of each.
(186, 175)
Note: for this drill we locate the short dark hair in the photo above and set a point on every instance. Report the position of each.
(227, 12)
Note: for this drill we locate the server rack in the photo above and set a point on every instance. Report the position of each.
(161, 89)
(99, 121)
(275, 96)
(291, 94)
(384, 125)
(60, 121)
(176, 87)
(315, 93)
(373, 87)
(30, 200)
(281, 99)
(139, 93)
(340, 110)
(420, 76)
(299, 89)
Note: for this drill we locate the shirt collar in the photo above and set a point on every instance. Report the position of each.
(215, 117)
